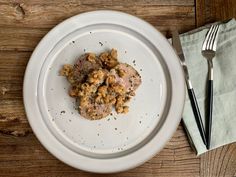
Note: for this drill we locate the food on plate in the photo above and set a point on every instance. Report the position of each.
(99, 83)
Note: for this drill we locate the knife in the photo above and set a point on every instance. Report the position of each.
(177, 45)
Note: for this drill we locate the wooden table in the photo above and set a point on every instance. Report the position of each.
(24, 22)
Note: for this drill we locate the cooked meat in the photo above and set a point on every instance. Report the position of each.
(126, 76)
(84, 65)
(94, 110)
(99, 83)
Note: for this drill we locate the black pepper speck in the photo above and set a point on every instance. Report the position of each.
(101, 43)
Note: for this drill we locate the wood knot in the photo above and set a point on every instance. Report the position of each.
(19, 11)
(4, 90)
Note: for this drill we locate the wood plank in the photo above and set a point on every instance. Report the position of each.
(104, 2)
(20, 39)
(208, 11)
(220, 162)
(12, 115)
(29, 158)
(15, 33)
(24, 21)
(47, 16)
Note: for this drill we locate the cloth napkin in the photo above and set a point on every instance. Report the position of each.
(224, 95)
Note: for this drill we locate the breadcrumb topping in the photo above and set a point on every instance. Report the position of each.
(102, 88)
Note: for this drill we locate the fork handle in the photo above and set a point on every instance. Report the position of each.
(209, 102)
(196, 113)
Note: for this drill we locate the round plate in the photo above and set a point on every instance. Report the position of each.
(117, 142)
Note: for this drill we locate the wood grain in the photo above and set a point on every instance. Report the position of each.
(12, 114)
(20, 39)
(47, 16)
(208, 11)
(220, 162)
(22, 25)
(23, 21)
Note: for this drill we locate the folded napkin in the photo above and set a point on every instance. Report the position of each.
(224, 96)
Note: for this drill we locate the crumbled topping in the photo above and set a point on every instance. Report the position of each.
(102, 87)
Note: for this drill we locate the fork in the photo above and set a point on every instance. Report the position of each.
(208, 51)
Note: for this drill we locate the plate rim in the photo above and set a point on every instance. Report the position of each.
(117, 164)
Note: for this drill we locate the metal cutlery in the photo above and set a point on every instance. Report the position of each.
(177, 45)
(208, 51)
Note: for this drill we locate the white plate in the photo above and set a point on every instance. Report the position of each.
(118, 142)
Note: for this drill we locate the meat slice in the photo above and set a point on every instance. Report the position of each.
(84, 65)
(126, 76)
(95, 111)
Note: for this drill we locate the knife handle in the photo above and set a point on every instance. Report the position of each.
(197, 114)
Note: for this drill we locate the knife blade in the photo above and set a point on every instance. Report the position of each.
(178, 47)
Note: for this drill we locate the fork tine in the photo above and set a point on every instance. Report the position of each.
(210, 39)
(207, 38)
(215, 39)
